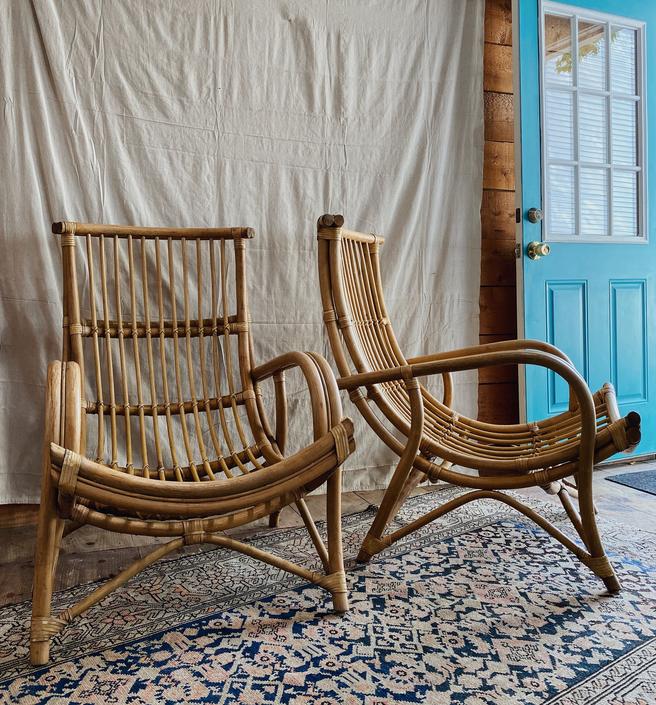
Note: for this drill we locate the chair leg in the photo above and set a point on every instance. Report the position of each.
(274, 518)
(47, 551)
(388, 509)
(401, 481)
(414, 478)
(598, 561)
(398, 489)
(335, 553)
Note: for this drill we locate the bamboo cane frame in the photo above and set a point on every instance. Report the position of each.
(543, 453)
(216, 464)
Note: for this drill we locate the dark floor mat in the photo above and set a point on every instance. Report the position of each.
(645, 480)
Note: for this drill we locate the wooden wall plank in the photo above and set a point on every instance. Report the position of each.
(498, 311)
(499, 166)
(12, 515)
(497, 403)
(497, 72)
(498, 215)
(498, 22)
(498, 263)
(499, 117)
(491, 338)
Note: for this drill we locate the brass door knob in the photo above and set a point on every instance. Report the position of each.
(536, 250)
(534, 215)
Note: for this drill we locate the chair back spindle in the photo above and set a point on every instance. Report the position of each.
(158, 321)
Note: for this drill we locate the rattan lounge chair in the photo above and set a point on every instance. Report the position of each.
(155, 421)
(384, 386)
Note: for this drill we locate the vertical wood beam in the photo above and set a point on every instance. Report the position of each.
(498, 389)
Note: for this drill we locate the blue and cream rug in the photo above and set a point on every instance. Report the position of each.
(480, 608)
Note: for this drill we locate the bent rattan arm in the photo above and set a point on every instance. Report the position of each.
(434, 436)
(326, 410)
(457, 364)
(521, 344)
(313, 376)
(154, 424)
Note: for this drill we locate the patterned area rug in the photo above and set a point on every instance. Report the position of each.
(480, 607)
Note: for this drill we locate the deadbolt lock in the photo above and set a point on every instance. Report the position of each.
(534, 215)
(537, 250)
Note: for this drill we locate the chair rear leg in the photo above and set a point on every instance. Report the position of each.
(335, 552)
(274, 518)
(393, 498)
(598, 561)
(414, 478)
(45, 561)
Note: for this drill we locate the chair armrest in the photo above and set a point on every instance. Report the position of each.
(502, 345)
(320, 380)
(578, 388)
(409, 373)
(520, 344)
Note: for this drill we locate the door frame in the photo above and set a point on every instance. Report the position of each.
(519, 220)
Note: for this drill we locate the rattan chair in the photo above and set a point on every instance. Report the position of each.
(155, 421)
(384, 386)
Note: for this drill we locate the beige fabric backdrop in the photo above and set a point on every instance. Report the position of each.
(257, 112)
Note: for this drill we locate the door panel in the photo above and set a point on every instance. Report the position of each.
(567, 304)
(628, 337)
(587, 160)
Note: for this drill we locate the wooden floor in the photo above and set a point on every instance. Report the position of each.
(92, 554)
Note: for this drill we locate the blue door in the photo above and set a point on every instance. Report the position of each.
(587, 102)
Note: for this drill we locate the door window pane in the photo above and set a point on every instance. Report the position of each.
(625, 203)
(594, 202)
(592, 121)
(592, 55)
(560, 124)
(623, 60)
(625, 132)
(593, 128)
(558, 49)
(561, 200)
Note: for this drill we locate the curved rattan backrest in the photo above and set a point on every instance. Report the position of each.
(359, 329)
(353, 301)
(158, 319)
